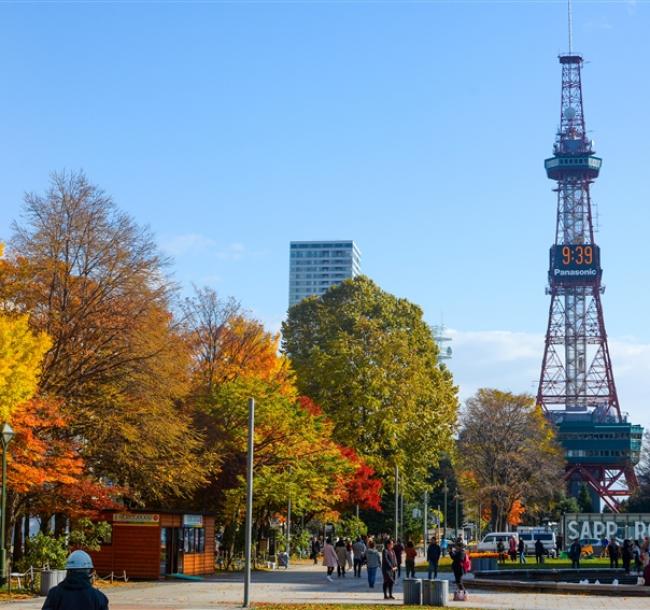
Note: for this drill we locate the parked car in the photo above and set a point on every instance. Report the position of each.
(490, 541)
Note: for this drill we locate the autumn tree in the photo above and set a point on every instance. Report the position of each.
(370, 361)
(507, 455)
(226, 343)
(95, 282)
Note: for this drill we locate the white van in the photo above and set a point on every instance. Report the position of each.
(530, 535)
(490, 541)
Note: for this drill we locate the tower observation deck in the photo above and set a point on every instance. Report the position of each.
(576, 388)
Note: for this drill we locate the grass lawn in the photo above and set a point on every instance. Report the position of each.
(549, 564)
(553, 564)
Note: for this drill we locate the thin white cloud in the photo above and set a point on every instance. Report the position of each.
(188, 243)
(192, 244)
(512, 360)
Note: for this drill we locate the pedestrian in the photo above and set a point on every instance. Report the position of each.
(614, 552)
(604, 545)
(315, 549)
(646, 575)
(512, 548)
(399, 549)
(433, 557)
(626, 555)
(521, 550)
(349, 554)
(342, 557)
(75, 591)
(330, 558)
(559, 545)
(646, 545)
(501, 552)
(373, 562)
(410, 555)
(575, 550)
(388, 569)
(539, 551)
(457, 554)
(636, 554)
(359, 550)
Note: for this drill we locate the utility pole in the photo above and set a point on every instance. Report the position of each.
(288, 530)
(249, 502)
(396, 501)
(426, 510)
(445, 490)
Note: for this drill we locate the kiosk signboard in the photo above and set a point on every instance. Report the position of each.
(136, 519)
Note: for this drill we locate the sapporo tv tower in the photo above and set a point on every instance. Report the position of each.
(576, 388)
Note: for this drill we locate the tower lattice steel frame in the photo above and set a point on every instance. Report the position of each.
(577, 382)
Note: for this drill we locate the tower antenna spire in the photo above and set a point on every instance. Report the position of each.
(570, 13)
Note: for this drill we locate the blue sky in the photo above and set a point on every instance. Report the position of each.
(418, 129)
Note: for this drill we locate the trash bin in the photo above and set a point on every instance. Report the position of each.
(49, 578)
(412, 591)
(436, 592)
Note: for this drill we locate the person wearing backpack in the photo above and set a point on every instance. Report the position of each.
(458, 563)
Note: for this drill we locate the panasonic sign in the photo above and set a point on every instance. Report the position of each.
(585, 526)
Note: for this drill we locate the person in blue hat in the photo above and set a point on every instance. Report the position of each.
(76, 591)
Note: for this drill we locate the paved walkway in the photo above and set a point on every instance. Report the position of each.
(307, 584)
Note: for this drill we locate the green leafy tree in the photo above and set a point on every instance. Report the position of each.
(370, 361)
(88, 535)
(46, 551)
(639, 501)
(584, 500)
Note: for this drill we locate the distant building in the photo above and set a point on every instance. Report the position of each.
(316, 265)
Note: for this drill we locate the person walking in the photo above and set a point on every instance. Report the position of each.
(76, 591)
(512, 548)
(399, 550)
(349, 554)
(342, 557)
(373, 563)
(315, 549)
(410, 554)
(539, 551)
(636, 554)
(359, 550)
(575, 550)
(330, 559)
(433, 557)
(521, 551)
(388, 569)
(614, 553)
(457, 554)
(501, 552)
(626, 555)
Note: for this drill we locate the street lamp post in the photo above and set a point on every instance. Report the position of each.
(456, 520)
(7, 435)
(445, 490)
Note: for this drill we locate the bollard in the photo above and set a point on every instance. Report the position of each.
(439, 592)
(427, 592)
(412, 591)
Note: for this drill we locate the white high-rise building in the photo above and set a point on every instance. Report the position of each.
(314, 266)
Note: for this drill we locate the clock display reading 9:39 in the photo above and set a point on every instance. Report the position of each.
(577, 255)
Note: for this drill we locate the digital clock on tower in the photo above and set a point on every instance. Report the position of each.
(574, 263)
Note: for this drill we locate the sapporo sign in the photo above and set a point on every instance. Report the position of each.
(606, 525)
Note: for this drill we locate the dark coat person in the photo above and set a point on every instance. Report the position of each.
(575, 551)
(433, 557)
(388, 569)
(76, 591)
(539, 551)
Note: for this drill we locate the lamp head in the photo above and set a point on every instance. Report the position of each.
(7, 434)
